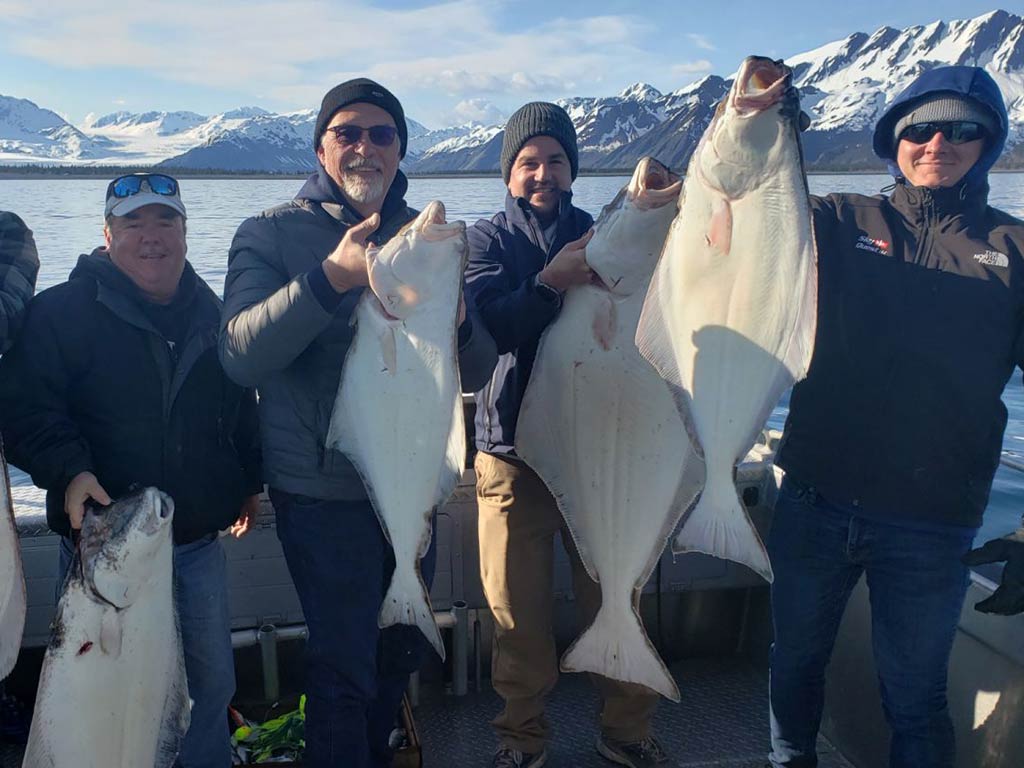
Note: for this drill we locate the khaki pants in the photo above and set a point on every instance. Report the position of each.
(518, 521)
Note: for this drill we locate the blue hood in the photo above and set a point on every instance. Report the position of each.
(972, 82)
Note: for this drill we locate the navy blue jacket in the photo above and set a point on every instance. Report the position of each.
(505, 255)
(920, 325)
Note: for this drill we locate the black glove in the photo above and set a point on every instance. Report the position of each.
(1008, 599)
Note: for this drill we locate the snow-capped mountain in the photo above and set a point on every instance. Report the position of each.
(844, 85)
(265, 143)
(847, 84)
(31, 135)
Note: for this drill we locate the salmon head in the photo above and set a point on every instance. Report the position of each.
(121, 544)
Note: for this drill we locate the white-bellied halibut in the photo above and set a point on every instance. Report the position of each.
(398, 414)
(112, 692)
(730, 316)
(12, 580)
(600, 427)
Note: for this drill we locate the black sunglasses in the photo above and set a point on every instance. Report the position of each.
(126, 186)
(380, 135)
(956, 132)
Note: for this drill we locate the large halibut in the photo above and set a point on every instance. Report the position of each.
(730, 316)
(112, 692)
(12, 581)
(398, 414)
(601, 429)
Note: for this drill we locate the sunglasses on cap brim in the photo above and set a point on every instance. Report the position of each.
(158, 183)
(956, 132)
(380, 135)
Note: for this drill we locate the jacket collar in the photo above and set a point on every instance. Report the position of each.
(520, 213)
(321, 188)
(968, 198)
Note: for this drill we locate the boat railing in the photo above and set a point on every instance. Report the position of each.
(1012, 463)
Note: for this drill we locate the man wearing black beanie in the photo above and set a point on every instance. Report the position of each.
(521, 261)
(295, 274)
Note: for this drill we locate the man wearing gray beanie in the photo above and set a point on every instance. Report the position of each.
(295, 275)
(521, 261)
(920, 324)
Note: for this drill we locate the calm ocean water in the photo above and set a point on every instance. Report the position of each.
(67, 219)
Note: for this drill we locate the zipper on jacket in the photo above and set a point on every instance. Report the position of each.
(930, 219)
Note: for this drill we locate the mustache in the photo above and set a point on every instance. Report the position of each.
(363, 163)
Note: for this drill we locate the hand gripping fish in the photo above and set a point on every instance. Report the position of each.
(398, 413)
(112, 692)
(12, 581)
(601, 429)
(729, 319)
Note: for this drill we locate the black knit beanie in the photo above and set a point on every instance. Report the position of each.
(538, 118)
(367, 91)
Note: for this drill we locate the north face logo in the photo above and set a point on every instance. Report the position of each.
(992, 259)
(873, 244)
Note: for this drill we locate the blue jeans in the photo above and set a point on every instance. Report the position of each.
(341, 565)
(201, 595)
(916, 584)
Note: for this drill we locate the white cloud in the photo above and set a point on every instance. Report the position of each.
(292, 51)
(687, 68)
(701, 41)
(476, 111)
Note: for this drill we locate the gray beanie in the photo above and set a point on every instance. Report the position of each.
(943, 108)
(538, 118)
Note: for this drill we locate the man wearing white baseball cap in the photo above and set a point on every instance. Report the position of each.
(115, 381)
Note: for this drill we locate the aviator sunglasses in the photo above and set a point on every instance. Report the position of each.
(126, 186)
(380, 135)
(957, 132)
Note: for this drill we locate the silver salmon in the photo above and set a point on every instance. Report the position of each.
(112, 692)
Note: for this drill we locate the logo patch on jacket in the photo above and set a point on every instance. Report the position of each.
(992, 259)
(873, 244)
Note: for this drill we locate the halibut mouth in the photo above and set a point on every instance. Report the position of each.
(760, 84)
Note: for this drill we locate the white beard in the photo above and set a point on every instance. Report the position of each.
(362, 189)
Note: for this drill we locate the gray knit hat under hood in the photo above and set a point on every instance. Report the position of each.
(538, 118)
(944, 108)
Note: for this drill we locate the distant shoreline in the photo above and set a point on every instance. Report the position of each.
(76, 174)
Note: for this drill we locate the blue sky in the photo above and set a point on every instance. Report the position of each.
(448, 62)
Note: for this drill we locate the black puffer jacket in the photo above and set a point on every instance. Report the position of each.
(920, 325)
(287, 331)
(92, 385)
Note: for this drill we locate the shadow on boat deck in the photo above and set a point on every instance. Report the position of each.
(722, 720)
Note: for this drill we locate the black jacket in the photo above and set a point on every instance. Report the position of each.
(93, 385)
(920, 324)
(505, 256)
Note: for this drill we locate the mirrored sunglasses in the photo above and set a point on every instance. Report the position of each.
(380, 135)
(957, 132)
(158, 183)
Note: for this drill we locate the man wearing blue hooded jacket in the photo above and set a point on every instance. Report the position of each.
(521, 262)
(920, 323)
